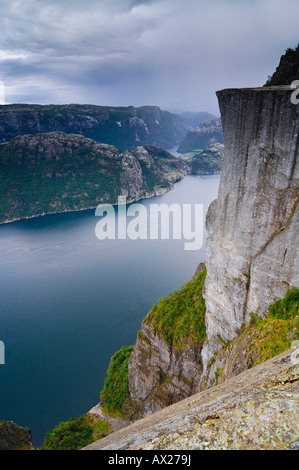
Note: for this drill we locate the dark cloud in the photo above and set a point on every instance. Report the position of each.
(173, 53)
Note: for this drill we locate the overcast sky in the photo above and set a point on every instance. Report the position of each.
(170, 53)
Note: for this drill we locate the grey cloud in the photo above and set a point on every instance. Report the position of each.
(175, 54)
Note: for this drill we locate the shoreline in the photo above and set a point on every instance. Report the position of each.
(156, 193)
(43, 214)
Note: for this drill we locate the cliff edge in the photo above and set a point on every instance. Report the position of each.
(252, 253)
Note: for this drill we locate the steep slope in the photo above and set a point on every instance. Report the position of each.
(257, 409)
(123, 127)
(165, 365)
(58, 172)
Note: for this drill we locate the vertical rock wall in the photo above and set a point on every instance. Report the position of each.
(253, 227)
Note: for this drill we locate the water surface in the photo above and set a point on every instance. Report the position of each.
(69, 301)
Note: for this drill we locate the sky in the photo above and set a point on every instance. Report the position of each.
(170, 53)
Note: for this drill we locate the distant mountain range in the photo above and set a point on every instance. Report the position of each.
(58, 158)
(207, 133)
(190, 120)
(123, 127)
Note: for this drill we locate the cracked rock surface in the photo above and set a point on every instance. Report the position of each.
(257, 409)
(252, 252)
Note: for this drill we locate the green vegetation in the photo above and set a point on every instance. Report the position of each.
(286, 308)
(272, 335)
(49, 173)
(208, 162)
(195, 151)
(207, 133)
(217, 375)
(31, 184)
(268, 336)
(76, 433)
(115, 394)
(181, 316)
(14, 437)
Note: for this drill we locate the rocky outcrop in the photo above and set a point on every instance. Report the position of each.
(161, 374)
(207, 133)
(59, 172)
(252, 252)
(255, 410)
(287, 70)
(14, 437)
(165, 365)
(122, 127)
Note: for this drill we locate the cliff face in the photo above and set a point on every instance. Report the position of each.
(252, 256)
(252, 252)
(58, 172)
(161, 374)
(165, 365)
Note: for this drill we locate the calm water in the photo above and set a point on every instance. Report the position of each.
(69, 301)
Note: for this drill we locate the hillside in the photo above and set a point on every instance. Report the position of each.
(207, 133)
(209, 161)
(58, 172)
(190, 120)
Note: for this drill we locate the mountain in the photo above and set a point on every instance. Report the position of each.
(123, 127)
(59, 172)
(207, 133)
(191, 120)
